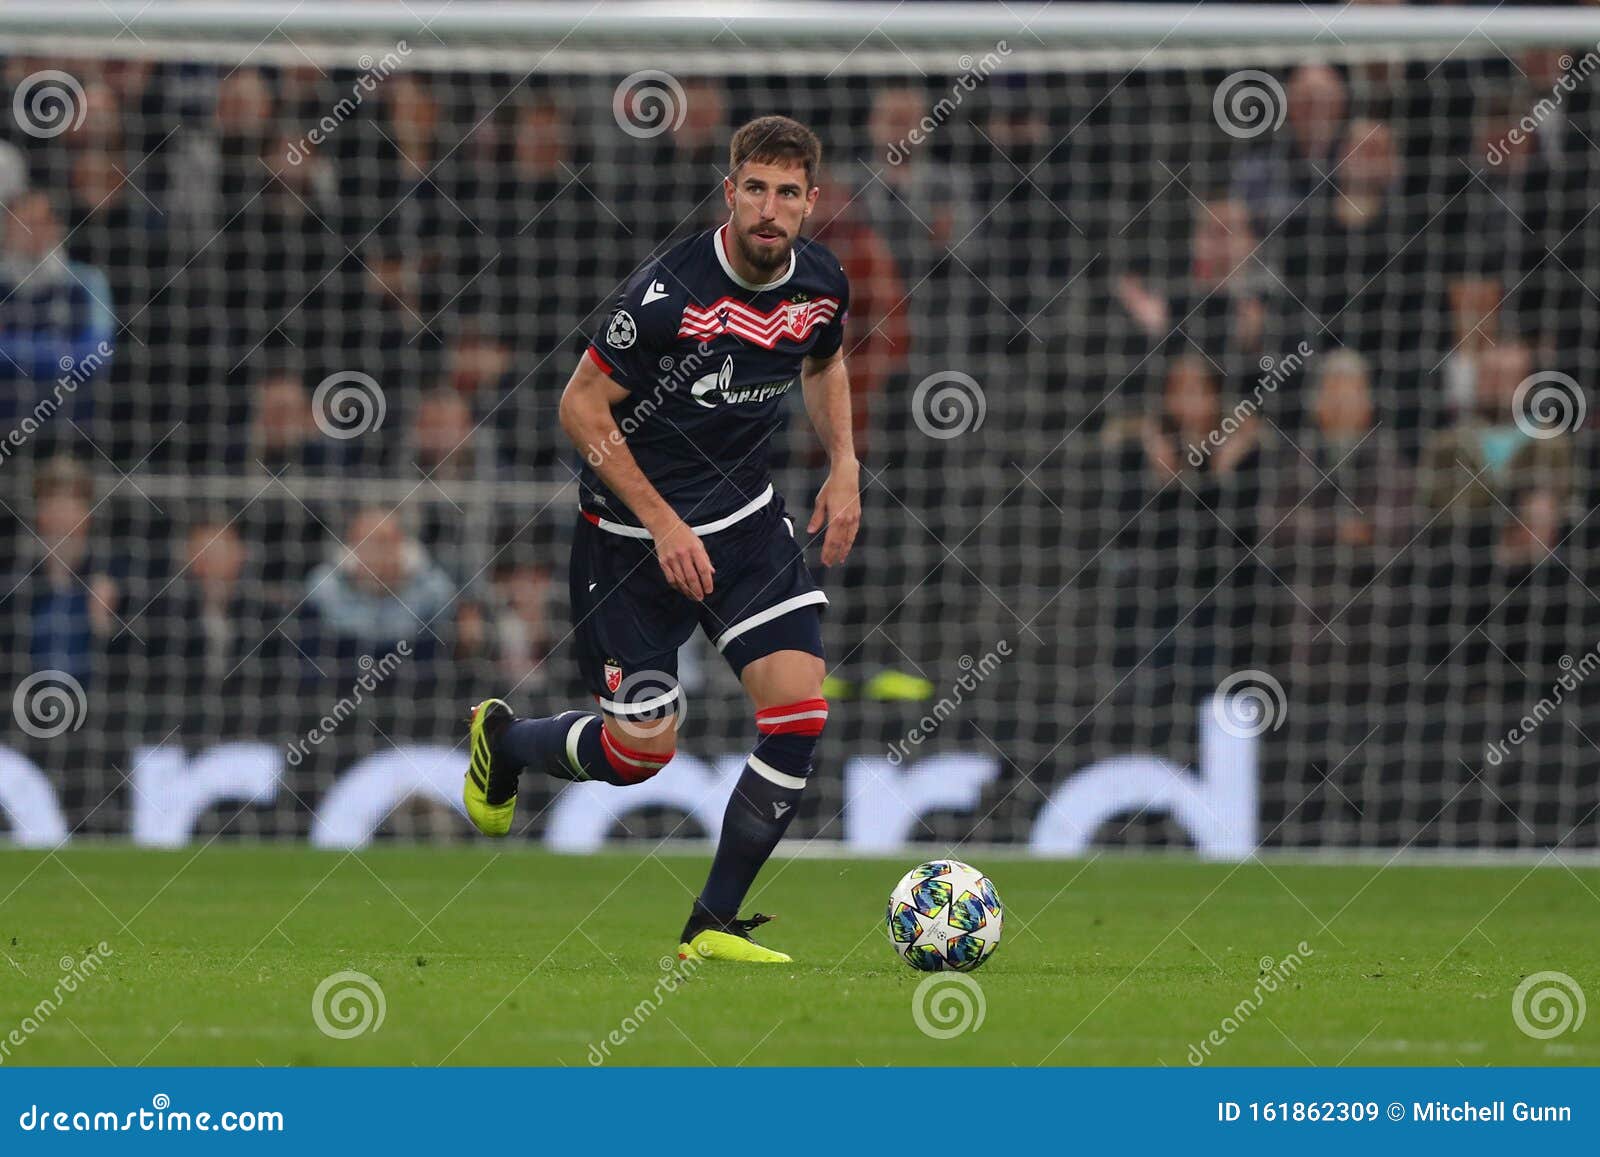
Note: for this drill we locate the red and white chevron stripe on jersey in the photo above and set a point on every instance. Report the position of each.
(793, 320)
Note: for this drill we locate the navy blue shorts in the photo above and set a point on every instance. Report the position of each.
(629, 623)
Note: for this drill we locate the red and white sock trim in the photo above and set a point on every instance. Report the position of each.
(632, 766)
(807, 717)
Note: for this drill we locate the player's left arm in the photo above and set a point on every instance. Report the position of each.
(826, 385)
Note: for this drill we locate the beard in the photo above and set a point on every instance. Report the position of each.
(767, 259)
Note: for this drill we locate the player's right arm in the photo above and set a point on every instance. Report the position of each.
(587, 418)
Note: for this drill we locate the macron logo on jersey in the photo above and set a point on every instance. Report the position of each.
(656, 292)
(793, 320)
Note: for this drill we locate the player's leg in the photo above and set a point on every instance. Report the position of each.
(629, 627)
(574, 745)
(786, 691)
(774, 642)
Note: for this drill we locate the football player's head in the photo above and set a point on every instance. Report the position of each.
(771, 188)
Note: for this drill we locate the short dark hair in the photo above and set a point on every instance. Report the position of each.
(776, 138)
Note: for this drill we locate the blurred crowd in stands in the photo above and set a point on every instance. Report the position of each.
(1132, 285)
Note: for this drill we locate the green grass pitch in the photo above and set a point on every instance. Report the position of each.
(516, 956)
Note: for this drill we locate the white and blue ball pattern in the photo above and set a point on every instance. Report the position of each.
(945, 914)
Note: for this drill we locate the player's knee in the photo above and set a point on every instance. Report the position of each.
(789, 735)
(634, 758)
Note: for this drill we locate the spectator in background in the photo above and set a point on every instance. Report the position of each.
(1185, 435)
(1341, 517)
(284, 436)
(1541, 601)
(92, 122)
(380, 315)
(218, 167)
(379, 590)
(305, 93)
(1534, 527)
(1031, 238)
(540, 220)
(282, 439)
(521, 623)
(1503, 211)
(478, 362)
(1347, 258)
(1190, 510)
(446, 449)
(64, 608)
(877, 340)
(685, 194)
(212, 632)
(147, 118)
(1347, 485)
(877, 336)
(516, 426)
(922, 206)
(56, 326)
(1226, 306)
(1474, 327)
(404, 155)
(215, 637)
(1273, 183)
(1523, 195)
(298, 211)
(111, 227)
(99, 128)
(1487, 456)
(442, 432)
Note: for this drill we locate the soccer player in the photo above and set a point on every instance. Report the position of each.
(673, 407)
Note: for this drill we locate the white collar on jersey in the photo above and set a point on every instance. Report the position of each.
(727, 266)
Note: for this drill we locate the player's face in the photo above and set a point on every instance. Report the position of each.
(768, 204)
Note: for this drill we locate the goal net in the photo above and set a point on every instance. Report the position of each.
(1220, 388)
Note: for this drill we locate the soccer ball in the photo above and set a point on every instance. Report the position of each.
(944, 914)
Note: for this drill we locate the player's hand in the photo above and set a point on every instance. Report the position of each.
(683, 559)
(839, 509)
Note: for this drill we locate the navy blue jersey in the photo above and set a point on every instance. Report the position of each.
(707, 360)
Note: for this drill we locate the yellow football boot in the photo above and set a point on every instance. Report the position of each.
(731, 941)
(488, 778)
